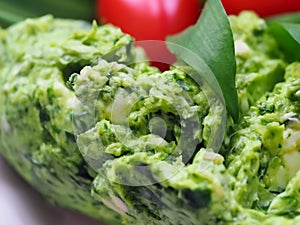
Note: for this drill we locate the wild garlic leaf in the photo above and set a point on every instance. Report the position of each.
(208, 47)
(287, 35)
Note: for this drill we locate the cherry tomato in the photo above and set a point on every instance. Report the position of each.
(264, 8)
(150, 20)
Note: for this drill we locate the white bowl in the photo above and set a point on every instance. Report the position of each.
(20, 204)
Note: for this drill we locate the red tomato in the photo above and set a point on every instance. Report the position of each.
(150, 20)
(263, 8)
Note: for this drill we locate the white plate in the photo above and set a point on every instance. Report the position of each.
(22, 205)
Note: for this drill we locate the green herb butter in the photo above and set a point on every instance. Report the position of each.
(95, 128)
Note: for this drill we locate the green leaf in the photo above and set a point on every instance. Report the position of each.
(293, 29)
(286, 29)
(286, 17)
(208, 47)
(288, 37)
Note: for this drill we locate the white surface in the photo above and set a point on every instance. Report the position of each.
(21, 205)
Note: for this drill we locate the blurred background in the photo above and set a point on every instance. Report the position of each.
(12, 11)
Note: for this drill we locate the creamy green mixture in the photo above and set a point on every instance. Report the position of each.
(95, 128)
